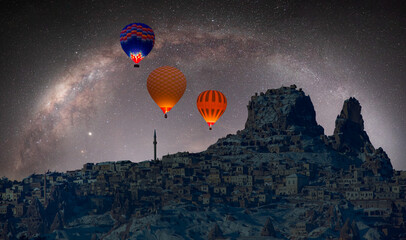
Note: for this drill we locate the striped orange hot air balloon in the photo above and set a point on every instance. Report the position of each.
(211, 105)
(166, 86)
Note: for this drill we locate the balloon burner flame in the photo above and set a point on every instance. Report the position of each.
(136, 57)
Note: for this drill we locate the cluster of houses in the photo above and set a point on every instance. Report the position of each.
(204, 180)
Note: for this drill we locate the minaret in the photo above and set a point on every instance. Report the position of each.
(155, 142)
(45, 189)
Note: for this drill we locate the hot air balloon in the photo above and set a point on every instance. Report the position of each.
(166, 86)
(211, 105)
(137, 40)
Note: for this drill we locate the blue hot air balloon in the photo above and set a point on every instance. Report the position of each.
(137, 40)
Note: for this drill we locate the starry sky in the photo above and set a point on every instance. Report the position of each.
(69, 95)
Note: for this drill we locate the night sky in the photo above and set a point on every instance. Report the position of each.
(70, 95)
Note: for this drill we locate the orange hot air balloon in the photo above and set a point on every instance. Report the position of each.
(211, 105)
(166, 86)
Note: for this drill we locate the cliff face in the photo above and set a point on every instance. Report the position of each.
(350, 139)
(279, 121)
(36, 219)
(281, 111)
(282, 123)
(349, 135)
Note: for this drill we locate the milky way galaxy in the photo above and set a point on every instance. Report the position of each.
(73, 100)
(81, 100)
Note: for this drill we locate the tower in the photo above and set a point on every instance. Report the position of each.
(155, 142)
(45, 189)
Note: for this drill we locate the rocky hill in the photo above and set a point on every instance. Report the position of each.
(280, 177)
(282, 124)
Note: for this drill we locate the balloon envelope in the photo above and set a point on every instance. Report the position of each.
(211, 105)
(166, 86)
(137, 40)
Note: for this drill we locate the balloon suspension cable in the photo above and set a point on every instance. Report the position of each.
(136, 65)
(166, 115)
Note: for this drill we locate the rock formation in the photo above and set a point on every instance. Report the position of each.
(280, 131)
(280, 120)
(36, 219)
(8, 231)
(268, 230)
(57, 224)
(215, 233)
(349, 231)
(349, 134)
(350, 139)
(282, 110)
(283, 122)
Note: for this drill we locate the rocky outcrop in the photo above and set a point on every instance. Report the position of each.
(283, 122)
(334, 218)
(349, 135)
(268, 230)
(351, 139)
(379, 163)
(8, 231)
(58, 223)
(282, 110)
(349, 231)
(121, 205)
(279, 120)
(215, 233)
(36, 219)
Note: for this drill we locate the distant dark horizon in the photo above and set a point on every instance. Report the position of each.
(70, 95)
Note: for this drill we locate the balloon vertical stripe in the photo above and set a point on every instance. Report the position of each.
(211, 105)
